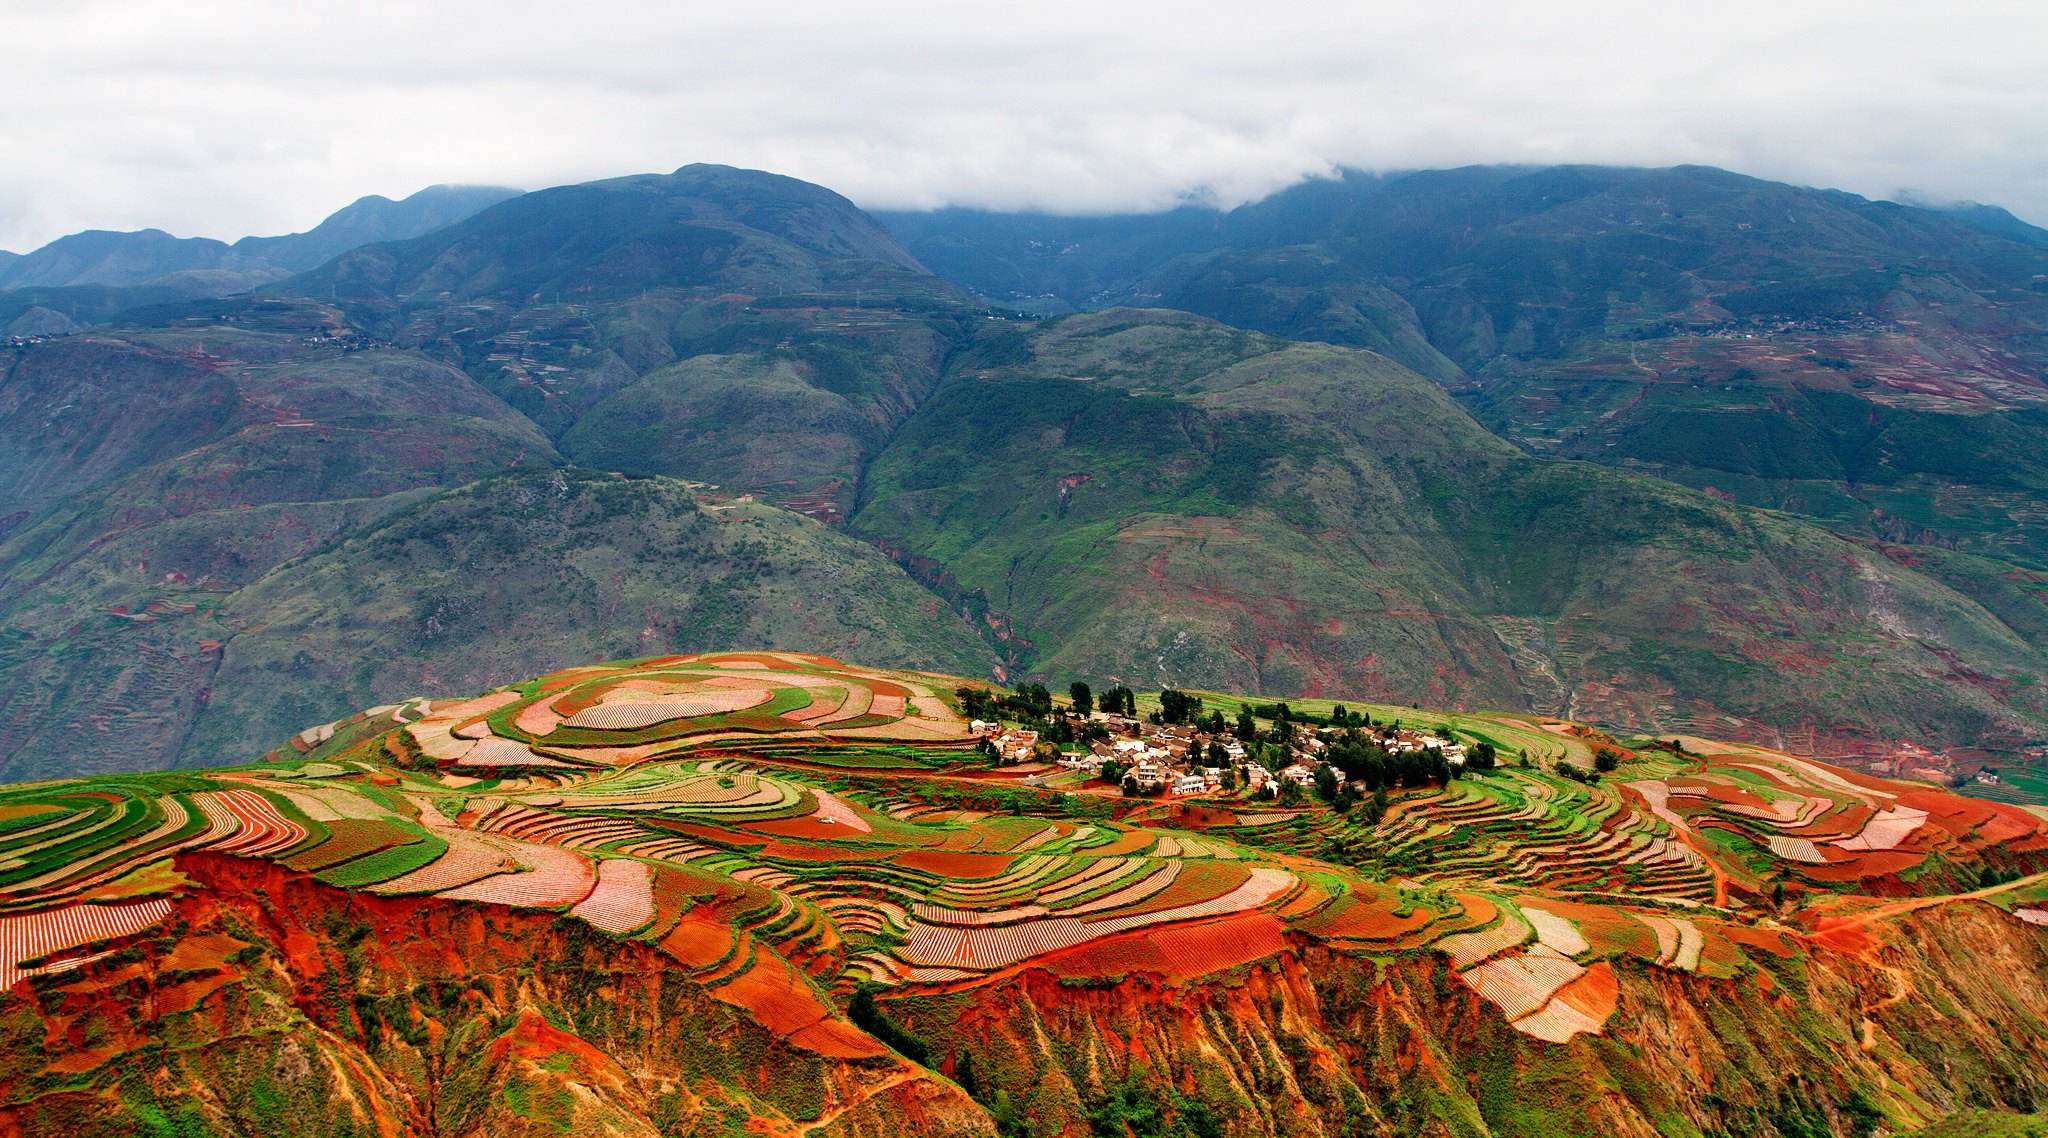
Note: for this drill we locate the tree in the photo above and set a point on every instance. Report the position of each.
(1606, 760)
(1010, 1121)
(1033, 698)
(869, 1018)
(1376, 807)
(1290, 792)
(974, 702)
(1326, 782)
(1247, 727)
(1230, 778)
(1218, 757)
(963, 1073)
(1481, 757)
(1179, 706)
(1084, 700)
(1111, 771)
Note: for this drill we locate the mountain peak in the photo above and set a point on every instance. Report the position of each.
(703, 225)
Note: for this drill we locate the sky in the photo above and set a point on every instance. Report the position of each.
(222, 118)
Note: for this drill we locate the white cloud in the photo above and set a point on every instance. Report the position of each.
(228, 117)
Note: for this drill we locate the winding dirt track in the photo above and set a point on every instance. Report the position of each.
(868, 1091)
(1914, 904)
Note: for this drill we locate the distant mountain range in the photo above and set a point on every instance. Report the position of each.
(1672, 450)
(1880, 368)
(200, 264)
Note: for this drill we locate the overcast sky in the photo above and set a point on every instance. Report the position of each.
(226, 117)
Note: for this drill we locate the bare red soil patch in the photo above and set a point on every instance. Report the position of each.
(1862, 866)
(808, 826)
(801, 851)
(1719, 792)
(957, 866)
(786, 1005)
(1352, 919)
(702, 938)
(711, 833)
(1181, 953)
(1593, 993)
(1129, 842)
(1202, 817)
(1842, 822)
(1841, 935)
(1762, 940)
(1479, 913)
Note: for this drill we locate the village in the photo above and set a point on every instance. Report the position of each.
(1179, 750)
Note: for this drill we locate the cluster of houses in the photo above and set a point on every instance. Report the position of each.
(1186, 760)
(348, 341)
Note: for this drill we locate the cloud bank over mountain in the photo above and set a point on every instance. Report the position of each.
(229, 117)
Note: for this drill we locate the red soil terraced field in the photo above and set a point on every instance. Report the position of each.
(40, 942)
(613, 714)
(781, 830)
(623, 900)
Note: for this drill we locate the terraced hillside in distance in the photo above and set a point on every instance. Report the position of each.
(780, 894)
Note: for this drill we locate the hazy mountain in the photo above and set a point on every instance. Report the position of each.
(105, 257)
(1991, 219)
(700, 227)
(371, 219)
(203, 266)
(714, 323)
(1877, 366)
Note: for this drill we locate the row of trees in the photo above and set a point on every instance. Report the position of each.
(1340, 716)
(1371, 766)
(1118, 700)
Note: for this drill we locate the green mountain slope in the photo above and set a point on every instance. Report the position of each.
(1153, 497)
(374, 218)
(129, 537)
(1722, 331)
(540, 570)
(719, 324)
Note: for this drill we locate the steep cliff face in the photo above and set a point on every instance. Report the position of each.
(272, 1004)
(1946, 1013)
